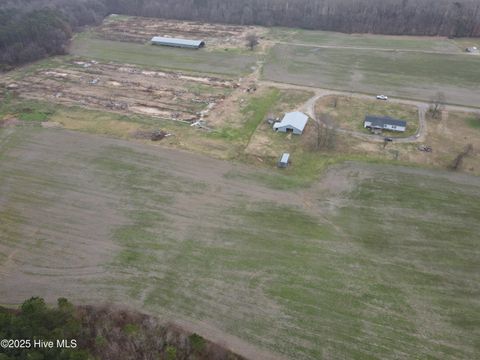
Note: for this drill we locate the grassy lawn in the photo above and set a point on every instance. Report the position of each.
(473, 121)
(255, 111)
(396, 73)
(26, 110)
(464, 43)
(371, 263)
(203, 61)
(314, 37)
(349, 112)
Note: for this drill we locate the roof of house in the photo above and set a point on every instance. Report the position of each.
(295, 119)
(284, 158)
(380, 121)
(177, 41)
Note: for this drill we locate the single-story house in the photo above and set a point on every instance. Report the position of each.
(175, 42)
(384, 123)
(292, 122)
(283, 162)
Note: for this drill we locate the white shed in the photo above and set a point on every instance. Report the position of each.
(284, 160)
(292, 122)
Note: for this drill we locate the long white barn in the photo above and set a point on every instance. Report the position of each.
(176, 42)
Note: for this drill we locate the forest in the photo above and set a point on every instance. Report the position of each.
(31, 30)
(97, 332)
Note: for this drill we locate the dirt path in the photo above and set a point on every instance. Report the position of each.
(374, 48)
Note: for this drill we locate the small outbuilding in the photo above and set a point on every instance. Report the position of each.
(175, 42)
(293, 122)
(384, 123)
(284, 160)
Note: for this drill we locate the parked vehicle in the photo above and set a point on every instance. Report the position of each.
(382, 97)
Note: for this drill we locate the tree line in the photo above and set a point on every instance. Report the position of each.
(30, 30)
(455, 18)
(97, 332)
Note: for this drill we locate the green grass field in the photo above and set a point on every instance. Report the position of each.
(474, 121)
(404, 74)
(464, 43)
(202, 61)
(326, 38)
(349, 112)
(381, 262)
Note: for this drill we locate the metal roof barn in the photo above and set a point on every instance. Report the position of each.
(175, 42)
(292, 122)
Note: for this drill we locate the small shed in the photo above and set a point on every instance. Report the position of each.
(284, 160)
(176, 42)
(384, 123)
(293, 122)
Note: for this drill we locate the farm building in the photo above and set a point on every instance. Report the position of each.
(284, 160)
(182, 43)
(384, 123)
(292, 122)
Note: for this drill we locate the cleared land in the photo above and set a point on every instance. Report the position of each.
(125, 89)
(370, 262)
(366, 262)
(349, 113)
(141, 30)
(202, 61)
(404, 74)
(326, 38)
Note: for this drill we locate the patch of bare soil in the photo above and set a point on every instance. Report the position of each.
(154, 135)
(126, 89)
(9, 122)
(138, 29)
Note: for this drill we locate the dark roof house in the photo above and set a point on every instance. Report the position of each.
(384, 122)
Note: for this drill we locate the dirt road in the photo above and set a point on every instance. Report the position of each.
(309, 109)
(360, 48)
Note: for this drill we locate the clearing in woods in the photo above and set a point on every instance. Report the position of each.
(369, 262)
(216, 61)
(366, 262)
(141, 30)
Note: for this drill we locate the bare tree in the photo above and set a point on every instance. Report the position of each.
(325, 133)
(437, 105)
(335, 101)
(252, 41)
(457, 162)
